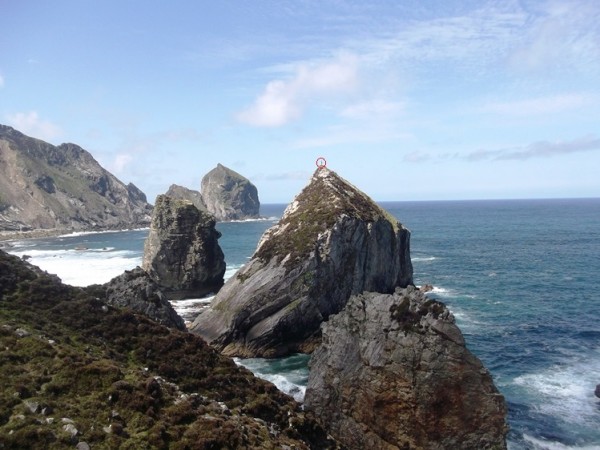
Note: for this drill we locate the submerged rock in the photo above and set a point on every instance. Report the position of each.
(135, 289)
(182, 252)
(597, 391)
(393, 372)
(332, 241)
(229, 195)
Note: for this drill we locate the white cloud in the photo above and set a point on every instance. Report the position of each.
(283, 101)
(1, 81)
(371, 108)
(121, 161)
(540, 105)
(31, 124)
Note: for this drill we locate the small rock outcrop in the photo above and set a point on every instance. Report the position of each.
(183, 193)
(135, 290)
(229, 195)
(332, 241)
(597, 391)
(393, 372)
(182, 252)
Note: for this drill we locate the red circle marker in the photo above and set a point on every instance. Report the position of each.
(321, 162)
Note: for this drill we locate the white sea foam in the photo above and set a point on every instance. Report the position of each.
(189, 308)
(566, 391)
(423, 258)
(540, 444)
(85, 233)
(82, 268)
(231, 270)
(283, 382)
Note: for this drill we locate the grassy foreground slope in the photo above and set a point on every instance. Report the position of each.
(74, 370)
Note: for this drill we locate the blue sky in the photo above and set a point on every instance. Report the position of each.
(409, 100)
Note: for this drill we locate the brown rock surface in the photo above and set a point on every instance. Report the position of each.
(393, 372)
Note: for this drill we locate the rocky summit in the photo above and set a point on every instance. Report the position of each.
(229, 195)
(182, 252)
(332, 242)
(43, 186)
(393, 372)
(183, 193)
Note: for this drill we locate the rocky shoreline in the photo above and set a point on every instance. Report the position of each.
(7, 236)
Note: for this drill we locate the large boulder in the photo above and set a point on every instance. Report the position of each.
(134, 289)
(332, 241)
(393, 372)
(182, 252)
(229, 195)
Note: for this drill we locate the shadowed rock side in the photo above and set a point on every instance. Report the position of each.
(229, 195)
(77, 373)
(182, 252)
(43, 186)
(183, 193)
(135, 289)
(332, 241)
(393, 372)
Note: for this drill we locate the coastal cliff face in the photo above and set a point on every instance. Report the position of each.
(77, 373)
(47, 186)
(183, 193)
(228, 195)
(393, 372)
(182, 252)
(332, 242)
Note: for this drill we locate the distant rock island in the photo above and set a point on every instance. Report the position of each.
(43, 186)
(332, 242)
(225, 194)
(229, 195)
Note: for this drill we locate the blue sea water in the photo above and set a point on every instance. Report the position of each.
(521, 277)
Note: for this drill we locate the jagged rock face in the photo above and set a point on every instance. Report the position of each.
(183, 193)
(332, 241)
(393, 372)
(136, 290)
(47, 186)
(228, 195)
(182, 252)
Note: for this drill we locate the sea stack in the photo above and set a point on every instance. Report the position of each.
(183, 193)
(182, 252)
(229, 195)
(333, 241)
(393, 372)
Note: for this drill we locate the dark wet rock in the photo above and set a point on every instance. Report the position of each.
(229, 195)
(597, 391)
(182, 252)
(135, 289)
(393, 372)
(332, 242)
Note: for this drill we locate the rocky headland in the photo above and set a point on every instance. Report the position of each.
(332, 242)
(78, 373)
(229, 195)
(182, 253)
(393, 372)
(62, 188)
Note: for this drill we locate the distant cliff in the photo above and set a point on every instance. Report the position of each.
(229, 195)
(183, 193)
(47, 186)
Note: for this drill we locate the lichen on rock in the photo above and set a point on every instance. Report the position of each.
(393, 372)
(332, 241)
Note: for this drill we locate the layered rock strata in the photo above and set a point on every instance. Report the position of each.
(229, 195)
(393, 372)
(182, 252)
(332, 242)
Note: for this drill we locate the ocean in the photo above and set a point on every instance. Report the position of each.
(521, 277)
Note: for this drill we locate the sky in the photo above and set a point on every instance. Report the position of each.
(408, 100)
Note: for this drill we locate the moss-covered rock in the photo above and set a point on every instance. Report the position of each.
(76, 370)
(332, 241)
